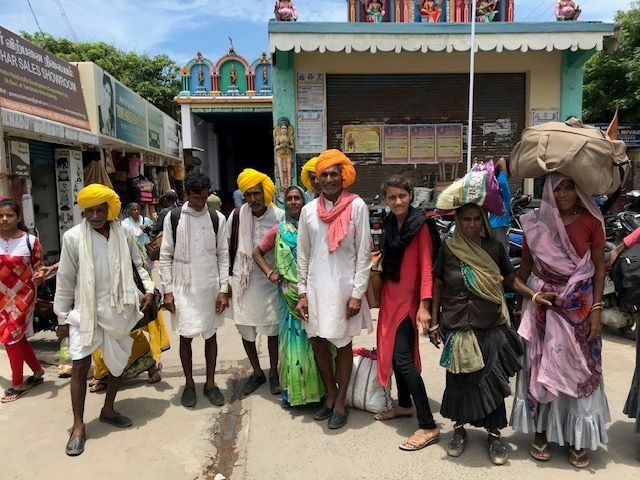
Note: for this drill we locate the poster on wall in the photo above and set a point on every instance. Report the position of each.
(69, 181)
(538, 117)
(362, 138)
(449, 142)
(20, 161)
(310, 112)
(106, 93)
(422, 142)
(396, 144)
(35, 82)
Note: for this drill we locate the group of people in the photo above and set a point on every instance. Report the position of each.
(299, 277)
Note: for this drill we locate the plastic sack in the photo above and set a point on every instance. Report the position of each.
(493, 200)
(364, 392)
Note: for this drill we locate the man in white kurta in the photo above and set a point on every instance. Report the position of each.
(194, 268)
(97, 301)
(334, 259)
(254, 299)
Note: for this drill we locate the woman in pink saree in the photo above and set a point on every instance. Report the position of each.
(560, 393)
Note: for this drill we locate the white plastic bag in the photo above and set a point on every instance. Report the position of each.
(365, 392)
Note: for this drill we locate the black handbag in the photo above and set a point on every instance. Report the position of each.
(151, 312)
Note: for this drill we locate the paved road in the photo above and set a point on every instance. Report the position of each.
(255, 439)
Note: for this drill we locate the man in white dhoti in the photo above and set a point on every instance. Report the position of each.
(334, 259)
(194, 267)
(97, 301)
(254, 298)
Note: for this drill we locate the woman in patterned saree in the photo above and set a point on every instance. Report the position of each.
(560, 394)
(300, 380)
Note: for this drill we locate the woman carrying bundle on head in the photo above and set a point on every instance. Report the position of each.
(560, 395)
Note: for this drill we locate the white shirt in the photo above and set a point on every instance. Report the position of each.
(331, 279)
(117, 325)
(196, 309)
(259, 305)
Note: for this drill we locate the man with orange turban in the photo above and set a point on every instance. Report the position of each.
(97, 301)
(309, 178)
(334, 259)
(254, 298)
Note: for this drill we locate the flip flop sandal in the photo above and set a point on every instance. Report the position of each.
(12, 392)
(578, 459)
(390, 415)
(33, 381)
(540, 452)
(98, 386)
(156, 376)
(410, 446)
(75, 446)
(119, 421)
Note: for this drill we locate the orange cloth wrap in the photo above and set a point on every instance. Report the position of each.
(328, 158)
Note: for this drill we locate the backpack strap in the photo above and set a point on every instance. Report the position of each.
(233, 243)
(175, 218)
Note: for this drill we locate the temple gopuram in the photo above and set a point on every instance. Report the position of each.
(222, 101)
(429, 11)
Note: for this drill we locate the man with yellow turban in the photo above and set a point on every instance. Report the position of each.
(254, 298)
(334, 259)
(97, 301)
(309, 178)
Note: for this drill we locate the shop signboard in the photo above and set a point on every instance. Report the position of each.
(172, 137)
(362, 138)
(396, 144)
(20, 162)
(131, 116)
(449, 142)
(29, 123)
(69, 181)
(422, 142)
(155, 127)
(36, 82)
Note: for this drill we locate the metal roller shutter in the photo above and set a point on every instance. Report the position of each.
(40, 153)
(422, 98)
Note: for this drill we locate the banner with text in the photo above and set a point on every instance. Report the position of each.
(36, 82)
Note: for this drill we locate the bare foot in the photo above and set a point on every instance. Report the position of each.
(394, 412)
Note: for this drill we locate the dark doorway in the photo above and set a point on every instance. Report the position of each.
(245, 140)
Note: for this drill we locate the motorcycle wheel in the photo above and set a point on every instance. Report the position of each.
(630, 331)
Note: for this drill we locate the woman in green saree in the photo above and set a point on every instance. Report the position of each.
(300, 381)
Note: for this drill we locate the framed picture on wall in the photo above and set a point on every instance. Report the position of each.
(362, 138)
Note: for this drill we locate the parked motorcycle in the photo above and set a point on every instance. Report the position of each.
(619, 312)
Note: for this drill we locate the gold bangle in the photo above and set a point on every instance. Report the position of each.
(599, 304)
(534, 296)
(596, 307)
(434, 327)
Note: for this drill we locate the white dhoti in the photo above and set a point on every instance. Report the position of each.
(115, 352)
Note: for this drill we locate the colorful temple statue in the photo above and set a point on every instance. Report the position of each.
(285, 11)
(567, 10)
(486, 10)
(283, 140)
(375, 10)
(431, 11)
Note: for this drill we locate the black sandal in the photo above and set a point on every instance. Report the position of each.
(75, 446)
(189, 398)
(498, 453)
